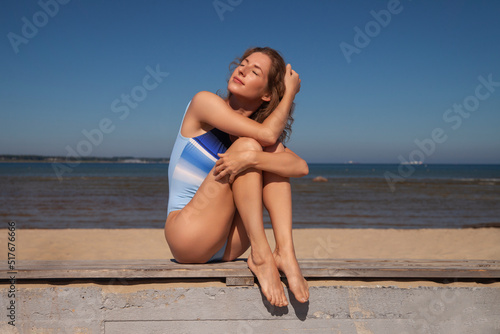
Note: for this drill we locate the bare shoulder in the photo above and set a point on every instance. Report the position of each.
(207, 107)
(208, 110)
(205, 99)
(192, 124)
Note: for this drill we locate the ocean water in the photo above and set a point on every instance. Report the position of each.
(112, 195)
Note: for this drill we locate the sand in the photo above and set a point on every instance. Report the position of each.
(114, 244)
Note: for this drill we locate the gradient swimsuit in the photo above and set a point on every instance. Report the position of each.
(190, 162)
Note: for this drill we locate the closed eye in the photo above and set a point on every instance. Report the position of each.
(256, 66)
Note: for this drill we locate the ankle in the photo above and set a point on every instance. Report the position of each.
(284, 251)
(261, 256)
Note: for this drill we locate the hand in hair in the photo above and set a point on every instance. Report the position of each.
(292, 81)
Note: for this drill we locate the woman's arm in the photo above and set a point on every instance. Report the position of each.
(208, 108)
(284, 163)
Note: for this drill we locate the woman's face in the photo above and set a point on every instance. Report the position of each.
(249, 79)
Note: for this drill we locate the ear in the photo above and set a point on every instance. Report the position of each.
(266, 97)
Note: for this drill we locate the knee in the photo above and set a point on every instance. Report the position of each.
(246, 144)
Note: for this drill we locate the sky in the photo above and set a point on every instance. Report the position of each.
(382, 81)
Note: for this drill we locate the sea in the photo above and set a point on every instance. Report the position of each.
(135, 195)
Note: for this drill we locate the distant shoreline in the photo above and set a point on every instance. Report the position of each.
(63, 160)
(11, 158)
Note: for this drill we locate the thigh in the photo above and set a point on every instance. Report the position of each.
(201, 228)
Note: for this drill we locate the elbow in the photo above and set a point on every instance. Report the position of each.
(304, 169)
(267, 139)
(266, 136)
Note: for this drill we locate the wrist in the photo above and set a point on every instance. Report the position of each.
(288, 95)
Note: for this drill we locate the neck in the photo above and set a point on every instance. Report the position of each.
(244, 107)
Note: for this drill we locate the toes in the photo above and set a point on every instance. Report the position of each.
(284, 301)
(277, 299)
(270, 298)
(280, 302)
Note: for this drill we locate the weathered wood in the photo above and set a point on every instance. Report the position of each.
(237, 272)
(240, 281)
(403, 268)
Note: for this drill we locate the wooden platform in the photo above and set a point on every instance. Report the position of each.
(237, 272)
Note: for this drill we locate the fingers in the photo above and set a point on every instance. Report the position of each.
(220, 160)
(293, 78)
(223, 174)
(218, 176)
(218, 164)
(220, 171)
(290, 71)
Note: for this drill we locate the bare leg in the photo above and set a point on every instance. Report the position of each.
(247, 191)
(202, 226)
(277, 198)
(238, 241)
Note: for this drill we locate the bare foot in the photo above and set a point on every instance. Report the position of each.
(269, 279)
(287, 263)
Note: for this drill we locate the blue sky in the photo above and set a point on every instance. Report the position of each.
(66, 69)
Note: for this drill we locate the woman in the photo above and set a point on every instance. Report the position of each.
(229, 160)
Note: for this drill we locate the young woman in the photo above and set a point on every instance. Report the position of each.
(228, 161)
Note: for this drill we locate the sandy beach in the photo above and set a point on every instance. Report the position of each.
(95, 244)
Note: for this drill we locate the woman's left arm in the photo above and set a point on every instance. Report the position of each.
(283, 162)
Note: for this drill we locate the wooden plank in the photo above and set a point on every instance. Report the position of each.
(125, 269)
(402, 268)
(237, 271)
(240, 281)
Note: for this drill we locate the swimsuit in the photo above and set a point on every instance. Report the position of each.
(190, 162)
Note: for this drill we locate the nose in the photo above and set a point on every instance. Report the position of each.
(242, 71)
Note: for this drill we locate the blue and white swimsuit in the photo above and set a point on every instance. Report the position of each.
(190, 162)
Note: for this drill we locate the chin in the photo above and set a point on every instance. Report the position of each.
(239, 92)
(232, 87)
(234, 91)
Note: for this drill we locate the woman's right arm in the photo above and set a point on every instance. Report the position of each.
(208, 108)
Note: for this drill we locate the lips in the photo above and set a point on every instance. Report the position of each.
(237, 80)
